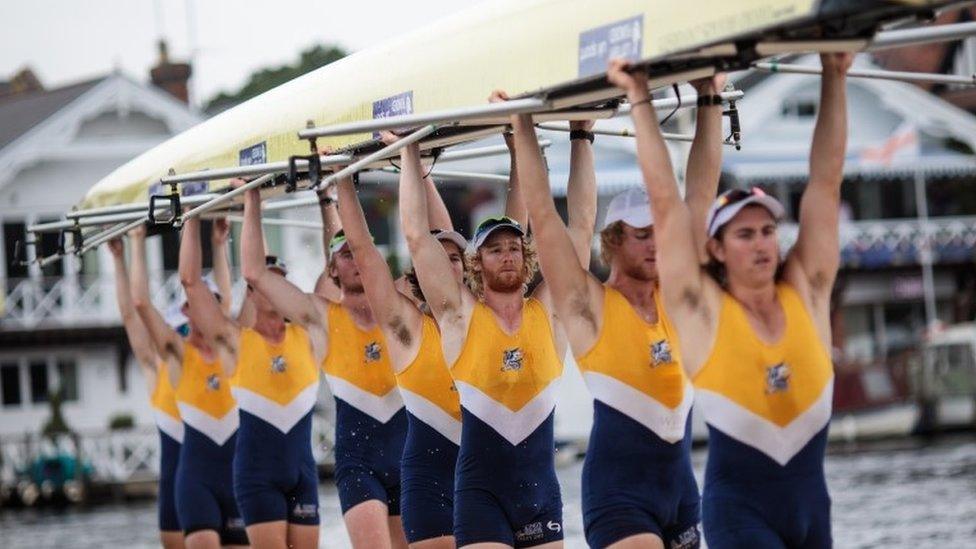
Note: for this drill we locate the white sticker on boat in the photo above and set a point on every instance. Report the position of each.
(255, 154)
(599, 45)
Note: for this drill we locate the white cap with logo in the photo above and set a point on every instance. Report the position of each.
(632, 206)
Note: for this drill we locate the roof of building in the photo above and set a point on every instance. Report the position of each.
(19, 113)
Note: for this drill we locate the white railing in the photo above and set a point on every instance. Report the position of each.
(120, 456)
(896, 233)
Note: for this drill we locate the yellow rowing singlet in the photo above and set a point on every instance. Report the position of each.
(358, 369)
(427, 388)
(508, 381)
(278, 383)
(775, 398)
(163, 401)
(635, 368)
(204, 398)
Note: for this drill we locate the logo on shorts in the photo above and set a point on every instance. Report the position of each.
(554, 526)
(235, 523)
(777, 378)
(512, 360)
(372, 352)
(305, 510)
(530, 532)
(686, 540)
(278, 364)
(660, 353)
(213, 382)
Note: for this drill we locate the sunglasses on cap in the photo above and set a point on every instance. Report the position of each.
(491, 224)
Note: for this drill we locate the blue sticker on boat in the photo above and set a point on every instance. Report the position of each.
(197, 187)
(399, 104)
(620, 39)
(156, 189)
(255, 154)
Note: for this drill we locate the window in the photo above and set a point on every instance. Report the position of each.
(10, 384)
(38, 381)
(13, 233)
(68, 379)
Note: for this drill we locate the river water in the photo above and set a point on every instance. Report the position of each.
(907, 494)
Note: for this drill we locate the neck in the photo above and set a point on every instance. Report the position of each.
(504, 304)
(197, 341)
(753, 297)
(358, 306)
(639, 293)
(270, 326)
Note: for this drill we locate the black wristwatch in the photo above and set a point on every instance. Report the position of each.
(581, 134)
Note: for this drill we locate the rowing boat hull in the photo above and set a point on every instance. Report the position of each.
(522, 46)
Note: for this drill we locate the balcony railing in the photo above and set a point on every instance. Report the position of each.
(90, 301)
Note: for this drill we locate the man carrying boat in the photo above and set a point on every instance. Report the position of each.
(638, 486)
(504, 351)
(755, 330)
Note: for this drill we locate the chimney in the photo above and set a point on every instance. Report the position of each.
(25, 81)
(172, 77)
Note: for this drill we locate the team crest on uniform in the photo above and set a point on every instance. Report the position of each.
(777, 378)
(213, 382)
(278, 364)
(372, 352)
(660, 353)
(512, 360)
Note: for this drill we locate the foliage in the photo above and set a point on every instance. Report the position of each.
(267, 78)
(56, 424)
(120, 422)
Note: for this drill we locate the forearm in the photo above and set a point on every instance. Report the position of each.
(252, 239)
(581, 189)
(352, 216)
(653, 156)
(191, 270)
(221, 274)
(534, 192)
(413, 198)
(331, 223)
(704, 168)
(437, 214)
(140, 278)
(515, 206)
(830, 135)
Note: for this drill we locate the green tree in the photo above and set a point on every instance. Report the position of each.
(267, 78)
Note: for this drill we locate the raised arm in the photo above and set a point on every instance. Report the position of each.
(704, 160)
(221, 262)
(287, 299)
(437, 214)
(135, 330)
(393, 311)
(817, 248)
(581, 193)
(331, 225)
(514, 204)
(204, 310)
(575, 294)
(682, 280)
(168, 344)
(431, 262)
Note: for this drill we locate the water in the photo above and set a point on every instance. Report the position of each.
(905, 495)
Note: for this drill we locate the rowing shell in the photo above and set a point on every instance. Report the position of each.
(527, 47)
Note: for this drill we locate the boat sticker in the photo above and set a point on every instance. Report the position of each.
(156, 189)
(255, 154)
(397, 105)
(599, 45)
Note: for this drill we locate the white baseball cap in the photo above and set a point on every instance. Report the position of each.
(632, 206)
(731, 202)
(450, 236)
